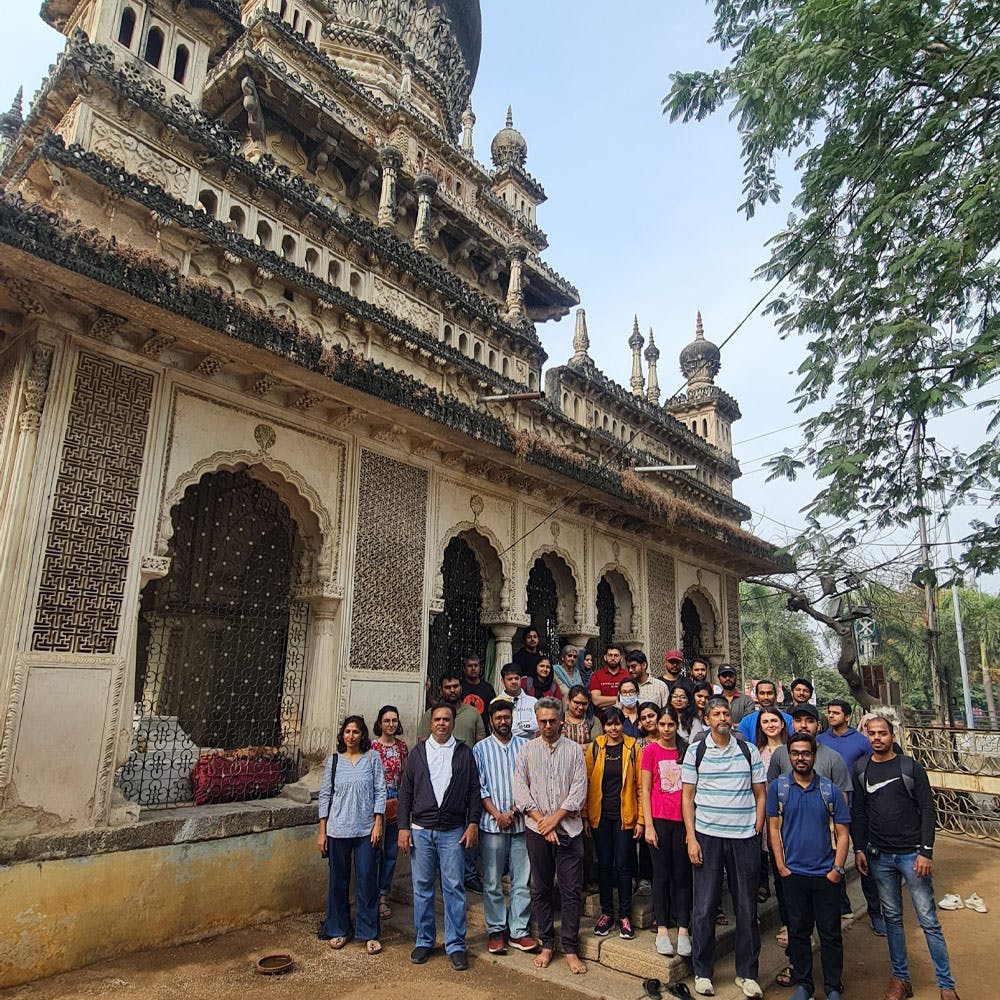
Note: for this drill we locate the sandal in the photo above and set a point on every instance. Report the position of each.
(782, 937)
(384, 910)
(784, 978)
(373, 947)
(336, 943)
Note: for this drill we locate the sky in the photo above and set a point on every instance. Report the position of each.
(642, 214)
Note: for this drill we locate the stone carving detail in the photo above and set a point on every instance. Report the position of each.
(154, 567)
(402, 306)
(7, 373)
(733, 621)
(36, 385)
(265, 436)
(20, 291)
(93, 510)
(136, 157)
(211, 364)
(106, 326)
(387, 618)
(661, 588)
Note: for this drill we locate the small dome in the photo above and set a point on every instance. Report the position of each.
(701, 359)
(508, 147)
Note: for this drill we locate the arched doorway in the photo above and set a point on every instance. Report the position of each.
(458, 629)
(220, 651)
(543, 606)
(607, 615)
(690, 631)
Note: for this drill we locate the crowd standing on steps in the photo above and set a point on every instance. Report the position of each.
(660, 786)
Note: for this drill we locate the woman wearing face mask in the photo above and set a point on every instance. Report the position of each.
(614, 819)
(689, 725)
(661, 802)
(628, 703)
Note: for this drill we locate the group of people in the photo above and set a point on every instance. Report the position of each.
(671, 783)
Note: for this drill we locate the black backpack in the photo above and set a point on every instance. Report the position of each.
(905, 769)
(702, 737)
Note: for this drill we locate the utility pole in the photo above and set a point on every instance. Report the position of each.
(940, 706)
(970, 719)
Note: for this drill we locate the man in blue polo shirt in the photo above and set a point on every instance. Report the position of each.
(808, 821)
(766, 694)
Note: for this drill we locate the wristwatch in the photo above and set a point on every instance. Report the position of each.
(840, 870)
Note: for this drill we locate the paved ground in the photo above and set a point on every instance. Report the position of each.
(221, 967)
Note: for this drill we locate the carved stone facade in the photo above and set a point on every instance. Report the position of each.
(661, 590)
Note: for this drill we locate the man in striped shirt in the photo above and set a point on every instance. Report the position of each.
(550, 788)
(723, 805)
(501, 834)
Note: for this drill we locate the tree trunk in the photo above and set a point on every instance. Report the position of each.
(846, 667)
(988, 685)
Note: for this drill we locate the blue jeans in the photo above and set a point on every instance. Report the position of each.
(387, 858)
(890, 871)
(505, 852)
(434, 852)
(338, 905)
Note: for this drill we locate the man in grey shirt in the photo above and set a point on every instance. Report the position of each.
(829, 763)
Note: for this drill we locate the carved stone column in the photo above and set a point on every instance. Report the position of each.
(503, 634)
(391, 160)
(583, 635)
(515, 288)
(426, 186)
(319, 712)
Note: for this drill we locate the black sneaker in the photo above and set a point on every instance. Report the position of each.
(625, 929)
(603, 926)
(420, 955)
(459, 961)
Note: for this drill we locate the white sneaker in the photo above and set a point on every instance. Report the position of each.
(750, 987)
(703, 986)
(975, 902)
(684, 945)
(663, 945)
(951, 902)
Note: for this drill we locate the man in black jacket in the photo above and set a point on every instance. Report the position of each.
(438, 814)
(893, 831)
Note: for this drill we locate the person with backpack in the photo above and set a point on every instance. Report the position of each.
(352, 799)
(808, 821)
(892, 826)
(614, 819)
(722, 801)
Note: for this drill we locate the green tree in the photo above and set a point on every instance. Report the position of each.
(777, 643)
(890, 115)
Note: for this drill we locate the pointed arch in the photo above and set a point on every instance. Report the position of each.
(709, 638)
(623, 588)
(487, 548)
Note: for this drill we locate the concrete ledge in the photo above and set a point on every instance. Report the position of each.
(161, 827)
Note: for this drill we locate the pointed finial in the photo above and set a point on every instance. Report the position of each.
(699, 329)
(11, 122)
(510, 117)
(468, 122)
(635, 342)
(653, 382)
(581, 339)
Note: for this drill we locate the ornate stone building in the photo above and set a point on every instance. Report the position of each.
(257, 298)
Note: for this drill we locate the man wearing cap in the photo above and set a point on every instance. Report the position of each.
(828, 764)
(739, 704)
(673, 660)
(650, 688)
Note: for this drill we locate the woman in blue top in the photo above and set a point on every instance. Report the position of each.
(351, 813)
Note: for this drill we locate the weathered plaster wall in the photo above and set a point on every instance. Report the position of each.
(63, 914)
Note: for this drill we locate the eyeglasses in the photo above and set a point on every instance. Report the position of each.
(579, 704)
(801, 753)
(549, 722)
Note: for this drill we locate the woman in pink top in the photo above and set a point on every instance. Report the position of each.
(661, 800)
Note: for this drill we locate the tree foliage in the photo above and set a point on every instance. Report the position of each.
(890, 114)
(776, 643)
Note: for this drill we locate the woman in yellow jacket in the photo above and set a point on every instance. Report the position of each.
(614, 814)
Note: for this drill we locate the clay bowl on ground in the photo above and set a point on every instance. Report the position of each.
(273, 965)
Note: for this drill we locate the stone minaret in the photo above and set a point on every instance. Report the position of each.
(652, 382)
(636, 342)
(581, 340)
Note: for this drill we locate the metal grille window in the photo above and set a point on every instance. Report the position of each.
(690, 630)
(220, 659)
(606, 614)
(458, 629)
(543, 607)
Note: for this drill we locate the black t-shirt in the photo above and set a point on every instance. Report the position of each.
(611, 784)
(526, 661)
(479, 696)
(886, 815)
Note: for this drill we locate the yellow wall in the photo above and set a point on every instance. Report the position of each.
(60, 915)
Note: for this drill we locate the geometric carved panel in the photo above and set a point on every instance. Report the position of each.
(387, 616)
(733, 621)
(7, 372)
(662, 590)
(93, 510)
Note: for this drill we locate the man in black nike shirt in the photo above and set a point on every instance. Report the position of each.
(893, 830)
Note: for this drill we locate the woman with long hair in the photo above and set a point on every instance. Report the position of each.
(688, 723)
(352, 800)
(772, 732)
(700, 695)
(661, 805)
(649, 715)
(628, 704)
(392, 750)
(614, 819)
(544, 683)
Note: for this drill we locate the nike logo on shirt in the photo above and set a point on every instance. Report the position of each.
(872, 789)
